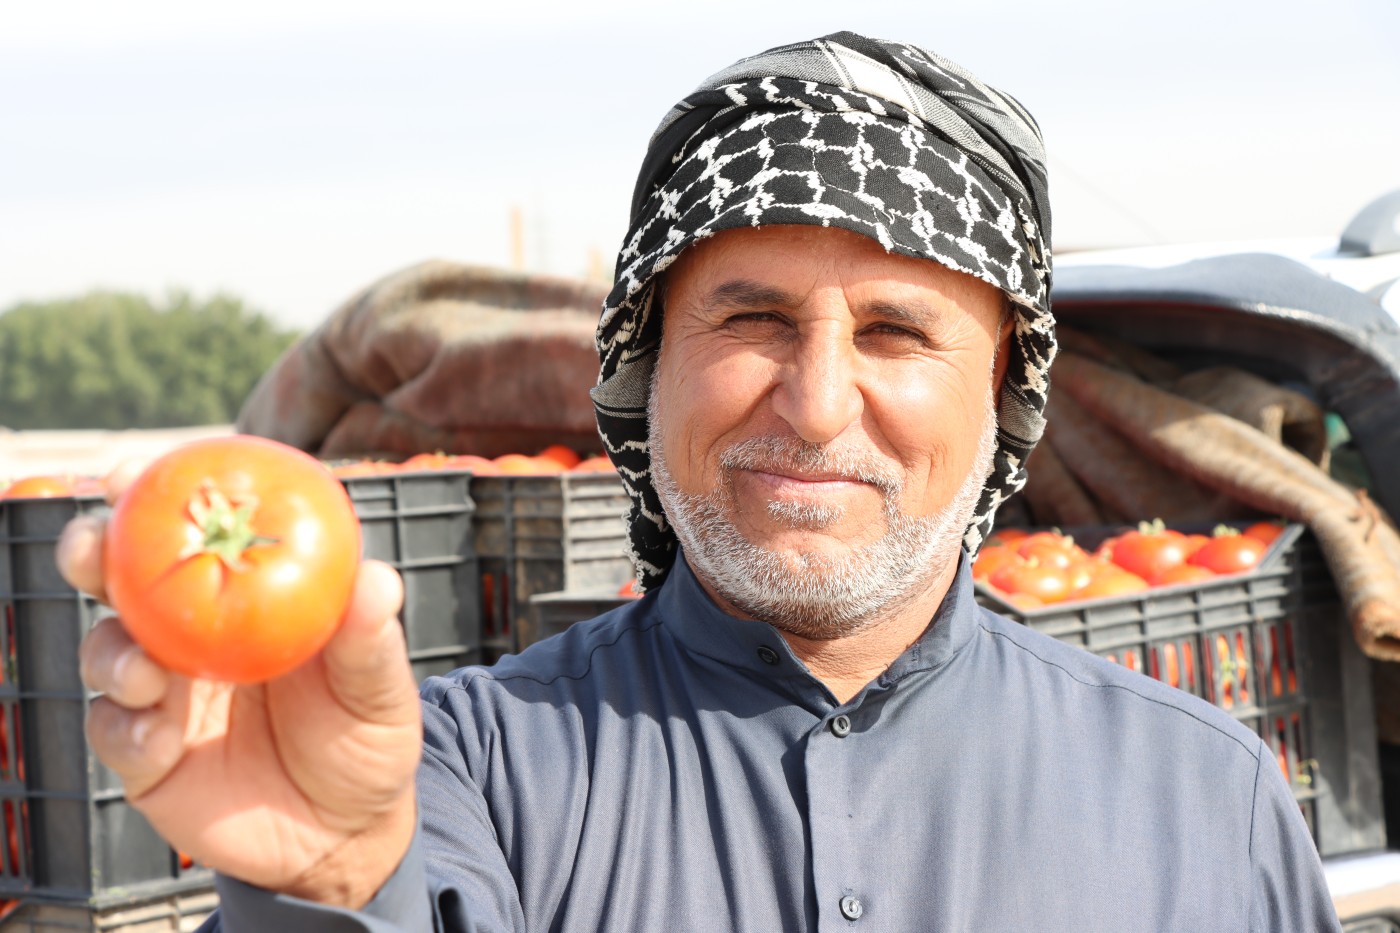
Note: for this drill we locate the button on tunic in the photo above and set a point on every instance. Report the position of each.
(668, 767)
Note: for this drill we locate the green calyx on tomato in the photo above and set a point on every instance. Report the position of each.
(232, 558)
(226, 525)
(1154, 527)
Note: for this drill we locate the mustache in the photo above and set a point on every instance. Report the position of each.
(776, 454)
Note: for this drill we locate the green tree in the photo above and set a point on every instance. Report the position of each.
(118, 360)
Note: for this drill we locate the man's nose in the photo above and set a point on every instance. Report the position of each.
(818, 393)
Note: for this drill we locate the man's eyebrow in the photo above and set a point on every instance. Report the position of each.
(745, 293)
(913, 313)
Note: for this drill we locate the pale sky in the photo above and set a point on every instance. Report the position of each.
(293, 152)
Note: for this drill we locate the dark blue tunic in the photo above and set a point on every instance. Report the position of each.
(668, 767)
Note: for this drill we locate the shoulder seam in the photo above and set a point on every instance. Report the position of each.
(483, 675)
(1129, 690)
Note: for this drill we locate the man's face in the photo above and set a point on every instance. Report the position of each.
(822, 420)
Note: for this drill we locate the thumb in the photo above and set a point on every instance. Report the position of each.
(366, 662)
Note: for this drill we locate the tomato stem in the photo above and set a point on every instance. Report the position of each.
(225, 524)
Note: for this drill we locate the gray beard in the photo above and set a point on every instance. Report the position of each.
(814, 595)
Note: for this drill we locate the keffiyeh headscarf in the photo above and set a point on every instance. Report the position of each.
(887, 140)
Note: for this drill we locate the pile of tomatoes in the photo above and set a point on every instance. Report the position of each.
(552, 460)
(555, 458)
(1033, 569)
(50, 485)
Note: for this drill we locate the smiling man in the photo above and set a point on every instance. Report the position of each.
(824, 362)
(830, 411)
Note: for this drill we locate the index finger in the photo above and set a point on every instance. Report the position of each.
(79, 550)
(79, 555)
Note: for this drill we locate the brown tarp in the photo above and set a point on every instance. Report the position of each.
(439, 356)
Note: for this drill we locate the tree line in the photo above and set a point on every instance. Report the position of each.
(120, 360)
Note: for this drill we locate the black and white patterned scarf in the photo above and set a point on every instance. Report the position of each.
(883, 139)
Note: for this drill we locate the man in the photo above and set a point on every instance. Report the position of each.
(824, 363)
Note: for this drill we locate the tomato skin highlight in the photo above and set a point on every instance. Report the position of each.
(1229, 554)
(265, 612)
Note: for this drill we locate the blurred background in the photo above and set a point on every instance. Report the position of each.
(268, 158)
(288, 151)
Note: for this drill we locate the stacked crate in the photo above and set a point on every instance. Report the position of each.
(537, 535)
(1272, 647)
(422, 525)
(71, 838)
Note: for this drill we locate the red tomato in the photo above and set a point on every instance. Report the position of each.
(1231, 553)
(1046, 583)
(991, 559)
(1194, 543)
(1083, 571)
(566, 458)
(474, 464)
(1008, 536)
(1148, 553)
(232, 558)
(594, 465)
(1115, 581)
(1183, 573)
(39, 487)
(1042, 538)
(527, 466)
(1264, 531)
(426, 462)
(1047, 552)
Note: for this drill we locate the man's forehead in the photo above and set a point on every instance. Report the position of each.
(769, 265)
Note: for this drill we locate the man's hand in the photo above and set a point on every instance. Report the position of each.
(302, 785)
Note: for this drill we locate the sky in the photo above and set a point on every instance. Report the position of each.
(291, 152)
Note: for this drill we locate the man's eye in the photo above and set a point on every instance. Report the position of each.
(895, 332)
(754, 317)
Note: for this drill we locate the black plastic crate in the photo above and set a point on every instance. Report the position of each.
(69, 833)
(1272, 647)
(543, 534)
(552, 613)
(421, 524)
